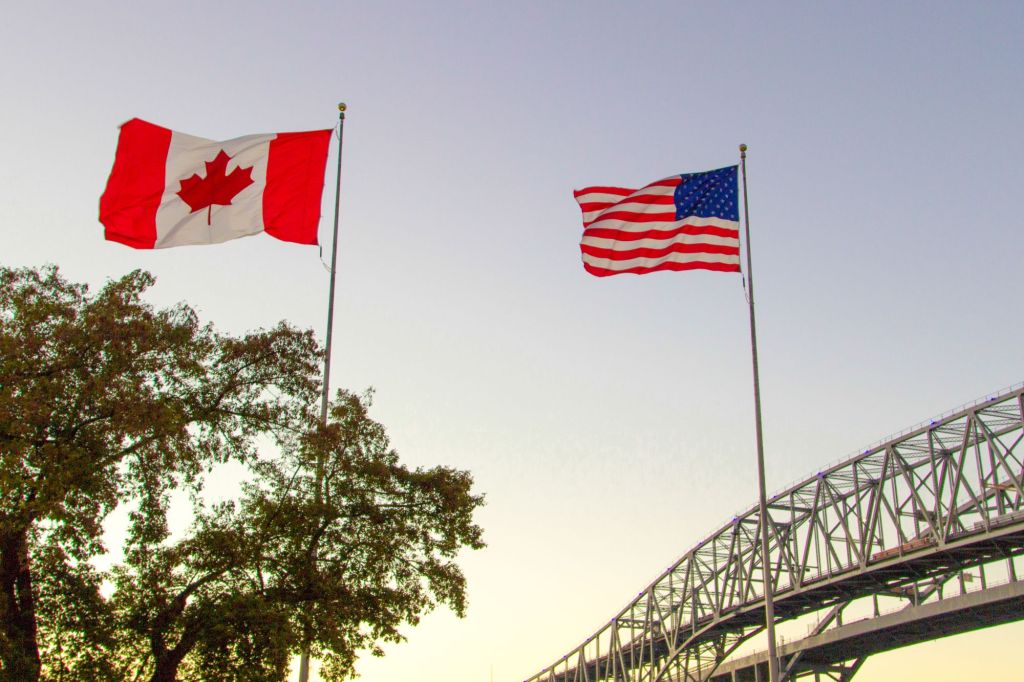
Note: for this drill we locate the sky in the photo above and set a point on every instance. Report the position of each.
(608, 421)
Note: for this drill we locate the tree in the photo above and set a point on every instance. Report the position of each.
(334, 543)
(104, 399)
(75, 633)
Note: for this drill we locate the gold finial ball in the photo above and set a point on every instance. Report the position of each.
(342, 107)
(743, 147)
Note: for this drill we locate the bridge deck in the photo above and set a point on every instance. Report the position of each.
(912, 625)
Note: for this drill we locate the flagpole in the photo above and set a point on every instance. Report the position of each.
(769, 606)
(325, 396)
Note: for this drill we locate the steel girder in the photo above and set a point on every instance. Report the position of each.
(923, 505)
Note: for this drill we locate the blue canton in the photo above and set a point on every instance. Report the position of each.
(711, 194)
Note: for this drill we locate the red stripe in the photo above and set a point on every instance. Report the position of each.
(624, 235)
(718, 267)
(666, 182)
(633, 217)
(650, 199)
(596, 206)
(130, 201)
(626, 254)
(295, 185)
(621, 191)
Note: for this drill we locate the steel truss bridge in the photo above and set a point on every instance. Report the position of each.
(919, 537)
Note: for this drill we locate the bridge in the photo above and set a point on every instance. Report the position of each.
(918, 537)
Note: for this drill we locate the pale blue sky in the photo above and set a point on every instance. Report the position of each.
(884, 166)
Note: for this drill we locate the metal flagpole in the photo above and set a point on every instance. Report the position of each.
(325, 397)
(769, 606)
(334, 271)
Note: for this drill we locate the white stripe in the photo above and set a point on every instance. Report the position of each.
(629, 245)
(593, 197)
(609, 264)
(658, 191)
(625, 226)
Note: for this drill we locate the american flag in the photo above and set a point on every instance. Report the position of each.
(684, 222)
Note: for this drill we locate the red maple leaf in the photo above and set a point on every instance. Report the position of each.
(216, 187)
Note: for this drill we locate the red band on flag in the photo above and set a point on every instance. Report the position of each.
(129, 204)
(695, 230)
(601, 189)
(620, 253)
(291, 201)
(677, 267)
(636, 217)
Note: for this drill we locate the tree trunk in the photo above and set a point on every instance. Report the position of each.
(166, 669)
(20, 651)
(166, 661)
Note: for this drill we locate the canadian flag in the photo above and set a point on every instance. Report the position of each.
(171, 189)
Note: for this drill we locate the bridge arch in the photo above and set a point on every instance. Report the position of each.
(903, 517)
